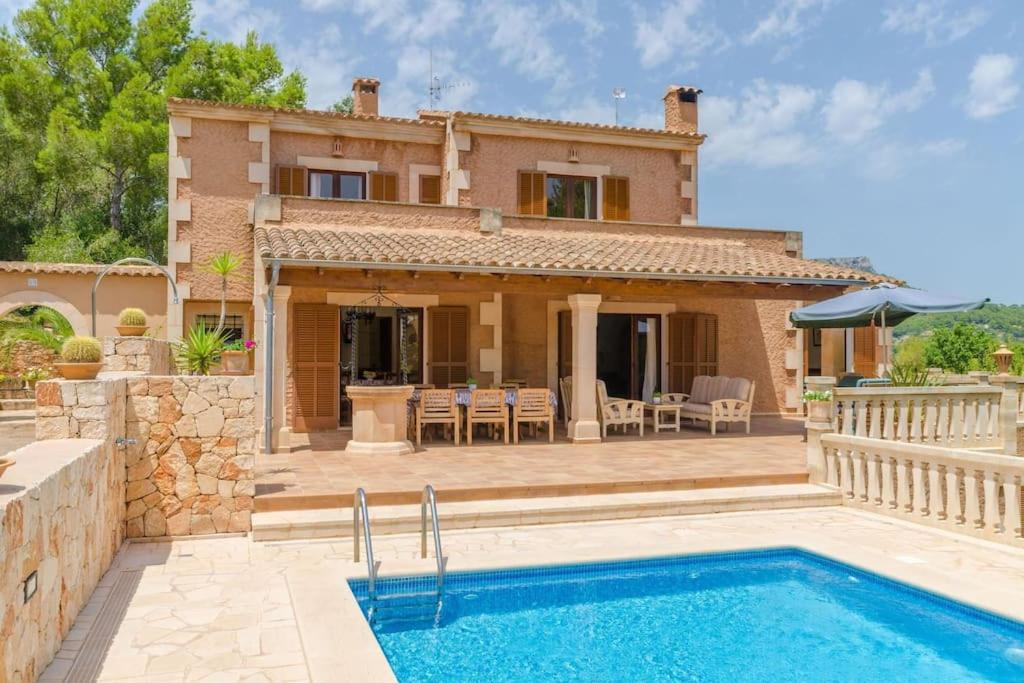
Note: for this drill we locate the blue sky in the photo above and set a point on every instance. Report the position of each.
(891, 129)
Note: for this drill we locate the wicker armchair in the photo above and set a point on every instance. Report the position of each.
(618, 412)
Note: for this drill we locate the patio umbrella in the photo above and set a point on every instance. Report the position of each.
(885, 303)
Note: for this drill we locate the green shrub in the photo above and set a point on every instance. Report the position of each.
(82, 350)
(134, 317)
(200, 350)
(817, 396)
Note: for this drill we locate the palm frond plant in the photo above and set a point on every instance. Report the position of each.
(200, 350)
(912, 376)
(224, 266)
(38, 325)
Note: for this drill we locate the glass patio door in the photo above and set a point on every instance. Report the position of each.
(628, 352)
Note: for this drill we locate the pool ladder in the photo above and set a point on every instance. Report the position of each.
(400, 603)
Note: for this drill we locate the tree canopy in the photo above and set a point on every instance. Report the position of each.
(83, 122)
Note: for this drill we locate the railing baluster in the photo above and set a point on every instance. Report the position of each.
(971, 409)
(888, 499)
(874, 494)
(832, 478)
(942, 434)
(903, 501)
(1011, 511)
(930, 419)
(920, 505)
(956, 426)
(890, 419)
(862, 418)
(972, 513)
(857, 461)
(845, 481)
(992, 518)
(935, 507)
(953, 512)
(903, 433)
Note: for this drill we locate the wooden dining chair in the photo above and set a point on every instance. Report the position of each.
(437, 406)
(487, 406)
(533, 406)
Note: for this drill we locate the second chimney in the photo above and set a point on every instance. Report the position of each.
(681, 108)
(364, 96)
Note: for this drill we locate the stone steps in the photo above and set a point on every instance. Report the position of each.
(17, 404)
(401, 519)
(8, 417)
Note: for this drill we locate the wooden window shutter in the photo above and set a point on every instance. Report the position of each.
(564, 344)
(315, 357)
(383, 186)
(430, 189)
(533, 199)
(692, 349)
(448, 327)
(291, 180)
(864, 351)
(615, 203)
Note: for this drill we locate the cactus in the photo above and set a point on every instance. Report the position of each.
(82, 350)
(134, 317)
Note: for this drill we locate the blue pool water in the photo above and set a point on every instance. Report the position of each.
(771, 615)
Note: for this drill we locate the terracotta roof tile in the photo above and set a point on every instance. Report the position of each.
(430, 115)
(73, 268)
(318, 113)
(552, 251)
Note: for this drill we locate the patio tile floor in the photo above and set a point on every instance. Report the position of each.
(321, 474)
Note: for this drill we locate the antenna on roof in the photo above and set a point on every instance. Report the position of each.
(618, 94)
(436, 88)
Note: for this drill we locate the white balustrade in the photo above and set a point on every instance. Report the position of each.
(960, 490)
(956, 417)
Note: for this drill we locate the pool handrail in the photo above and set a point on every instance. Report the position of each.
(359, 506)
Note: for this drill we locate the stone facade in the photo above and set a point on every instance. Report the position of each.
(62, 517)
(26, 355)
(142, 354)
(190, 455)
(191, 470)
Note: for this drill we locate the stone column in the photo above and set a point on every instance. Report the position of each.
(815, 428)
(281, 439)
(1008, 406)
(584, 427)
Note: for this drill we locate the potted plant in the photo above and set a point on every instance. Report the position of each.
(33, 375)
(471, 383)
(656, 398)
(131, 322)
(234, 359)
(200, 350)
(82, 358)
(819, 405)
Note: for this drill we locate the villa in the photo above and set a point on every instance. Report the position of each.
(445, 280)
(460, 245)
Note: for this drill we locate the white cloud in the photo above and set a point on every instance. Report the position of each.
(407, 90)
(993, 90)
(516, 33)
(764, 127)
(856, 109)
(327, 67)
(933, 19)
(787, 19)
(946, 147)
(233, 19)
(584, 13)
(673, 32)
(399, 20)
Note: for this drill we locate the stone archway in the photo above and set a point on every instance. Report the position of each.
(38, 297)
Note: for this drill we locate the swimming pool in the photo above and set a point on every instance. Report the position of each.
(780, 615)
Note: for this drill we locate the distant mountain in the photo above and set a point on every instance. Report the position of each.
(999, 319)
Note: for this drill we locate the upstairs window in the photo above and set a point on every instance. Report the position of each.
(337, 185)
(571, 196)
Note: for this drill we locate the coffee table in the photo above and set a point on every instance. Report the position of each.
(659, 413)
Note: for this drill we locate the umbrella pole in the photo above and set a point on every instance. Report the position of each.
(885, 346)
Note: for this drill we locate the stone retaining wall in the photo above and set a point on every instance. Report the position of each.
(61, 516)
(26, 355)
(142, 354)
(191, 470)
(190, 459)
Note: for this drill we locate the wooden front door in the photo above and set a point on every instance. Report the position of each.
(315, 357)
(692, 349)
(448, 329)
(864, 351)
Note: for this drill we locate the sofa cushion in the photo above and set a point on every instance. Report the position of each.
(700, 408)
(701, 389)
(717, 388)
(738, 388)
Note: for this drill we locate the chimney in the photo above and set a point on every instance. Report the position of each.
(681, 108)
(364, 96)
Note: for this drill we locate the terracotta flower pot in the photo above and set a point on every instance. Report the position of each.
(131, 330)
(234, 362)
(4, 464)
(78, 370)
(819, 411)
